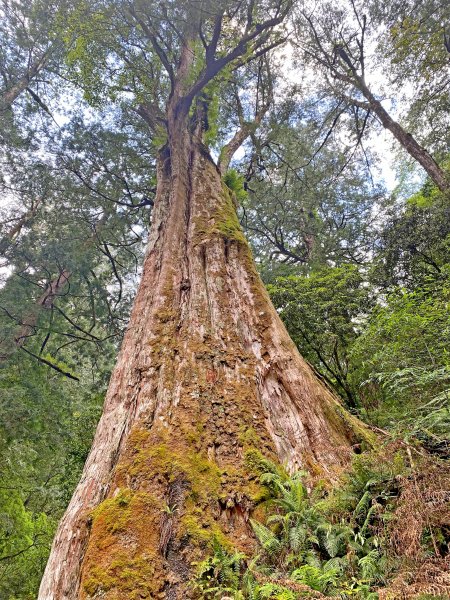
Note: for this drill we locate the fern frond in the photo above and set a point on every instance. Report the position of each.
(266, 537)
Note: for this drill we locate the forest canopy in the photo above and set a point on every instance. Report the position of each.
(142, 138)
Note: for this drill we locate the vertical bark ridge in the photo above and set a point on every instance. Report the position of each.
(206, 376)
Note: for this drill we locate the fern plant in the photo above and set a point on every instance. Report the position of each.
(319, 579)
(266, 537)
(312, 545)
(220, 574)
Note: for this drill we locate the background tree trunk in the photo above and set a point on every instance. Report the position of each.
(206, 374)
(414, 149)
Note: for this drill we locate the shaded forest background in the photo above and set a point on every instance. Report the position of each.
(358, 272)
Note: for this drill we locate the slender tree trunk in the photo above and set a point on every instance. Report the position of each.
(414, 149)
(11, 235)
(53, 289)
(229, 150)
(10, 95)
(409, 143)
(206, 374)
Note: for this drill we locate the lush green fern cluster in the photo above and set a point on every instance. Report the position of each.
(311, 542)
(220, 573)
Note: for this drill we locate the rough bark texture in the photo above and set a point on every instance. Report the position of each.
(206, 374)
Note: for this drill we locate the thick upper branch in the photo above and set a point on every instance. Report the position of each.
(253, 40)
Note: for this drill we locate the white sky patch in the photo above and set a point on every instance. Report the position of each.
(382, 143)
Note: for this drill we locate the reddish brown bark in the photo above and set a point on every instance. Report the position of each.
(206, 372)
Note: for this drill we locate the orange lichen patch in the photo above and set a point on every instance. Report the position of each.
(121, 561)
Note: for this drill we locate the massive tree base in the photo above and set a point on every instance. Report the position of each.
(207, 376)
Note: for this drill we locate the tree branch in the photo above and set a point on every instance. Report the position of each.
(50, 364)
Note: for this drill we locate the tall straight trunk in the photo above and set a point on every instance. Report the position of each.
(206, 374)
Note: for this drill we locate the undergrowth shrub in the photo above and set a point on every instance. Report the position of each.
(381, 533)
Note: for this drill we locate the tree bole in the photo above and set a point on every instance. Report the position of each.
(207, 374)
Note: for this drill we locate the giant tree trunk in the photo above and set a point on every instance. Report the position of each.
(207, 372)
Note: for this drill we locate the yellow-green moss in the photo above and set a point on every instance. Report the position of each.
(122, 552)
(133, 576)
(166, 315)
(248, 437)
(98, 581)
(258, 464)
(352, 426)
(202, 528)
(205, 487)
(225, 221)
(246, 480)
(148, 461)
(194, 434)
(114, 511)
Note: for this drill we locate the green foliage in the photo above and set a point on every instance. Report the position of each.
(219, 574)
(321, 312)
(25, 536)
(381, 337)
(313, 541)
(335, 543)
(322, 580)
(414, 50)
(235, 182)
(306, 209)
(414, 246)
(273, 591)
(403, 368)
(83, 30)
(268, 540)
(47, 424)
(47, 421)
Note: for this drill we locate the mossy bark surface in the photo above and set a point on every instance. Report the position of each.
(206, 372)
